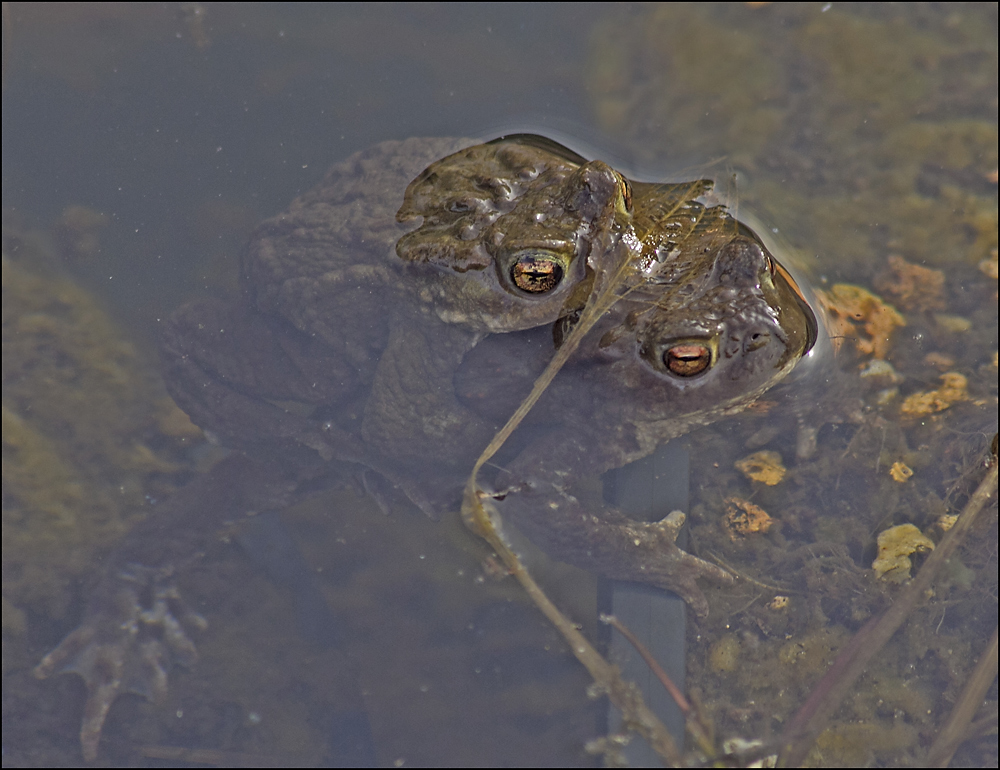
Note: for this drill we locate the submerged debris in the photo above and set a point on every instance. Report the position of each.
(894, 548)
(952, 390)
(856, 314)
(744, 518)
(955, 324)
(913, 287)
(989, 267)
(882, 371)
(940, 361)
(900, 471)
(764, 467)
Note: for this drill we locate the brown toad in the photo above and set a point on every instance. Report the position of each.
(393, 327)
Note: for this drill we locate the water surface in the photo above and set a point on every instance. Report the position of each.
(142, 143)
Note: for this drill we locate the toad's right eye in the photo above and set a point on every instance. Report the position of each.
(687, 360)
(536, 272)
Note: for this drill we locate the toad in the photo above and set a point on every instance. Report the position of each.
(392, 319)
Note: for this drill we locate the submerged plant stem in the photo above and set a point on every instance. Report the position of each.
(692, 722)
(481, 517)
(624, 695)
(814, 715)
(956, 728)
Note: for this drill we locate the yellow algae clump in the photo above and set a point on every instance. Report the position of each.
(858, 315)
(900, 472)
(955, 324)
(744, 518)
(764, 467)
(989, 267)
(953, 389)
(881, 371)
(940, 361)
(946, 521)
(858, 744)
(894, 548)
(724, 656)
(914, 287)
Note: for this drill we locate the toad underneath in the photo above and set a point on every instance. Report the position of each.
(395, 316)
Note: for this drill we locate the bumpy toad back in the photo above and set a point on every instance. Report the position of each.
(394, 316)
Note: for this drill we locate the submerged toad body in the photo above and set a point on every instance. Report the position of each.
(391, 326)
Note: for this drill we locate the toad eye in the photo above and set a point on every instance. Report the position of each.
(688, 359)
(536, 273)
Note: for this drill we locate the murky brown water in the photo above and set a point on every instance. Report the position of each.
(142, 143)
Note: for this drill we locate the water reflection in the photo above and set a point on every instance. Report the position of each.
(862, 134)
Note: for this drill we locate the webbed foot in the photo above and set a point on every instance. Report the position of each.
(673, 568)
(611, 544)
(132, 633)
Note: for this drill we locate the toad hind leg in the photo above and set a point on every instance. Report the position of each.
(132, 634)
(605, 541)
(136, 627)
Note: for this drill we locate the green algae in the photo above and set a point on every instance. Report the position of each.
(80, 433)
(861, 745)
(856, 133)
(674, 47)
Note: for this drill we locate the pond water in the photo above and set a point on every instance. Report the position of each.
(141, 145)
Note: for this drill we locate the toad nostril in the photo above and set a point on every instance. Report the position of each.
(756, 340)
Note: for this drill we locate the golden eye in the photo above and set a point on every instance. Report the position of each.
(687, 360)
(536, 273)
